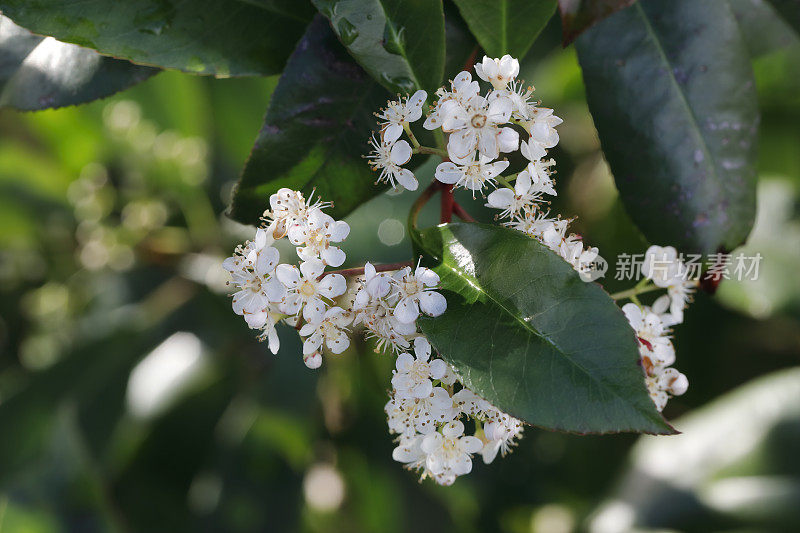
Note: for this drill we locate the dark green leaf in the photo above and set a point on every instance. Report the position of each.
(217, 37)
(762, 27)
(528, 335)
(671, 91)
(506, 26)
(579, 15)
(315, 132)
(399, 43)
(38, 73)
(789, 10)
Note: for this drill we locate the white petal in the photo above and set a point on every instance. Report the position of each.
(337, 342)
(428, 277)
(470, 444)
(312, 343)
(391, 134)
(507, 140)
(438, 368)
(401, 153)
(500, 110)
(448, 172)
(406, 311)
(487, 144)
(274, 342)
(256, 320)
(406, 178)
(288, 275)
(312, 269)
(404, 362)
(314, 310)
(273, 289)
(339, 231)
(332, 285)
(422, 348)
(432, 303)
(501, 198)
(496, 168)
(313, 361)
(333, 256)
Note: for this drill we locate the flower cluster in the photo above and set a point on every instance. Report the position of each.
(426, 408)
(651, 324)
(269, 292)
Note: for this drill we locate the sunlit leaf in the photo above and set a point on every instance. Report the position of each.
(526, 333)
(40, 73)
(399, 43)
(217, 37)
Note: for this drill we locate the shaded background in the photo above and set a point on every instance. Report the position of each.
(133, 399)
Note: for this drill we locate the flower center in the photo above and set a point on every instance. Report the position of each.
(411, 287)
(308, 289)
(420, 371)
(478, 120)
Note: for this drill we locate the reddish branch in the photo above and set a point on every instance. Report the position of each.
(447, 204)
(378, 268)
(461, 213)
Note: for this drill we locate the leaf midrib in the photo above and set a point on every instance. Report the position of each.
(695, 123)
(400, 46)
(533, 331)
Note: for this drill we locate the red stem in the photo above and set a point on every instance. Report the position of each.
(447, 204)
(461, 213)
(360, 270)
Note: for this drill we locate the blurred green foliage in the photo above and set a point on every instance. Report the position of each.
(133, 399)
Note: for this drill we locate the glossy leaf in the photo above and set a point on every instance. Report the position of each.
(528, 335)
(671, 91)
(400, 43)
(217, 37)
(315, 132)
(579, 15)
(506, 26)
(40, 73)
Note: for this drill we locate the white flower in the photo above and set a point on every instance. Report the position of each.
(664, 383)
(306, 291)
(409, 415)
(413, 375)
(329, 329)
(541, 127)
(520, 98)
(268, 331)
(525, 196)
(500, 433)
(373, 307)
(289, 208)
(661, 265)
(409, 451)
(463, 91)
(680, 294)
(470, 403)
(472, 175)
(476, 127)
(416, 294)
(498, 72)
(450, 452)
(654, 344)
(402, 111)
(319, 231)
(389, 155)
(251, 269)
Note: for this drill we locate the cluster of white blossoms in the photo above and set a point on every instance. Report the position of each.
(652, 323)
(440, 423)
(427, 410)
(268, 292)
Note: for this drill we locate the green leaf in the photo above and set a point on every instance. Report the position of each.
(315, 132)
(506, 26)
(579, 15)
(528, 335)
(38, 73)
(216, 37)
(763, 28)
(400, 43)
(672, 94)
